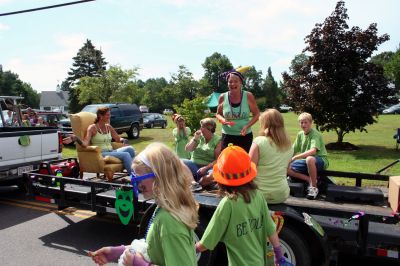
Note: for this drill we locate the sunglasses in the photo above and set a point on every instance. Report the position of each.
(136, 179)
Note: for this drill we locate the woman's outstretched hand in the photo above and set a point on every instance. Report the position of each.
(100, 256)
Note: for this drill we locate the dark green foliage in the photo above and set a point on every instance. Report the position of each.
(213, 66)
(335, 83)
(11, 85)
(253, 82)
(271, 91)
(193, 112)
(89, 62)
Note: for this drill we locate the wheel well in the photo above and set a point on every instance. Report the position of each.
(316, 246)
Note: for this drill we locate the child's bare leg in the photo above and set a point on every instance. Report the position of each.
(312, 170)
(298, 175)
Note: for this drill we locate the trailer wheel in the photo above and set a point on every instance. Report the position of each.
(294, 248)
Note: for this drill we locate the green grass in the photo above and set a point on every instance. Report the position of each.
(377, 147)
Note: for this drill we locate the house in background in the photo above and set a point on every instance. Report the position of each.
(54, 101)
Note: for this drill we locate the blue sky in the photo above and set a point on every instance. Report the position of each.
(159, 35)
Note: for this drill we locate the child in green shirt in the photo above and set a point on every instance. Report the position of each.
(242, 220)
(181, 134)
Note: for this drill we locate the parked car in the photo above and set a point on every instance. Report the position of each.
(151, 120)
(394, 109)
(125, 117)
(285, 108)
(144, 109)
(168, 112)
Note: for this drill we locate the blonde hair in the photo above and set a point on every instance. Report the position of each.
(272, 126)
(208, 123)
(171, 186)
(306, 116)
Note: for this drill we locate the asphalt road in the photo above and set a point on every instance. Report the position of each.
(35, 233)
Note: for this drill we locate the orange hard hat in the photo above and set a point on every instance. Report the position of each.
(234, 167)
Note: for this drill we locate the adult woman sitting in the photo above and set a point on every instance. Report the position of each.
(205, 147)
(101, 133)
(272, 153)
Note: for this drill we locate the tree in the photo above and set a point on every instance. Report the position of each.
(336, 84)
(153, 89)
(115, 85)
(184, 84)
(392, 69)
(11, 85)
(213, 66)
(271, 91)
(253, 81)
(193, 111)
(89, 62)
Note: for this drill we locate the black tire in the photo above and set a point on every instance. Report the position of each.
(164, 125)
(133, 132)
(294, 248)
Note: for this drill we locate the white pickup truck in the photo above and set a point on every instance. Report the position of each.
(23, 148)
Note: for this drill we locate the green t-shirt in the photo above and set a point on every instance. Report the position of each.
(313, 139)
(170, 242)
(243, 228)
(272, 170)
(240, 115)
(204, 152)
(180, 142)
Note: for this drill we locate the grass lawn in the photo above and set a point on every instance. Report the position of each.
(376, 148)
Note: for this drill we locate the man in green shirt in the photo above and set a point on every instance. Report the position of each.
(310, 155)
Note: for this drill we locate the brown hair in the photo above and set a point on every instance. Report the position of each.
(100, 112)
(233, 192)
(272, 126)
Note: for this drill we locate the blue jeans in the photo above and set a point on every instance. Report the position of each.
(125, 154)
(300, 166)
(194, 167)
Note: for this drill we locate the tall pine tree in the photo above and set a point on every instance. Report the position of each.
(271, 90)
(89, 62)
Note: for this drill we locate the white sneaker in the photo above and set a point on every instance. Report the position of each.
(312, 192)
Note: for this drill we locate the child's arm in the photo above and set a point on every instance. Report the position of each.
(303, 155)
(200, 247)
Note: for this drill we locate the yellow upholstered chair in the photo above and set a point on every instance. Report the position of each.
(90, 158)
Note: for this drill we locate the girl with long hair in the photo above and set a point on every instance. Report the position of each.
(272, 152)
(170, 232)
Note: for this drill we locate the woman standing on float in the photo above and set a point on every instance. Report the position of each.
(234, 108)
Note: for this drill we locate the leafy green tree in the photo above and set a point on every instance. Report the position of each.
(184, 84)
(11, 85)
(253, 81)
(115, 85)
(336, 84)
(89, 62)
(193, 111)
(392, 69)
(271, 91)
(154, 95)
(213, 66)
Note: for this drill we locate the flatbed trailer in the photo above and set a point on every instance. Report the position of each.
(315, 232)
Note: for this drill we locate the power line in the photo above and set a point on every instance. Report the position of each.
(45, 7)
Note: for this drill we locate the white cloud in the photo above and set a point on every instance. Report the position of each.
(4, 26)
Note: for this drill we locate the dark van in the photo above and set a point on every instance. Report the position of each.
(125, 117)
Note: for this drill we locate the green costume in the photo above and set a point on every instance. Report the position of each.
(181, 140)
(272, 170)
(313, 139)
(170, 242)
(243, 228)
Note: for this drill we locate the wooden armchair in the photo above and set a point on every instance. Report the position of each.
(90, 158)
